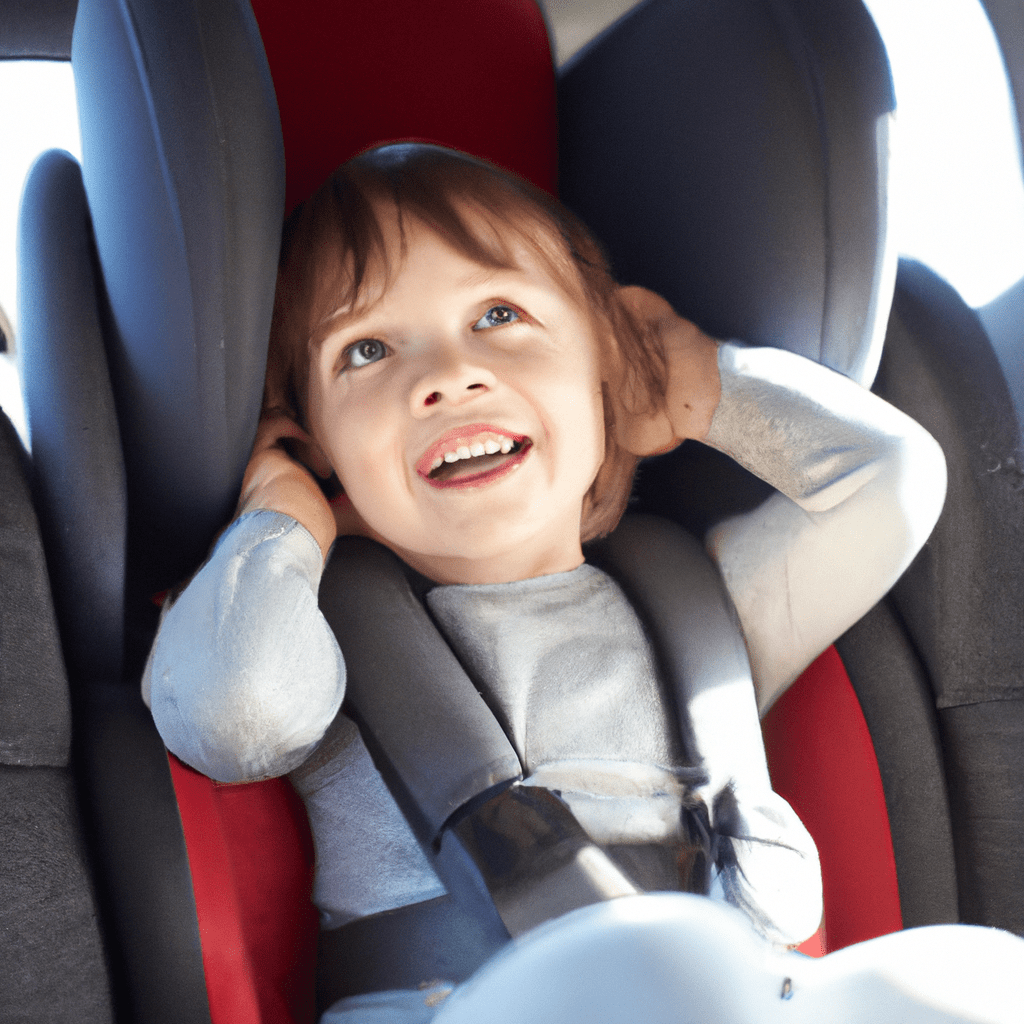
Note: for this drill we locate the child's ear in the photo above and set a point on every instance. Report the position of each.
(647, 308)
(318, 462)
(305, 449)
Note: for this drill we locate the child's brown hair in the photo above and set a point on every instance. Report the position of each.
(333, 239)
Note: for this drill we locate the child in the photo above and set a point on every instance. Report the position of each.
(448, 343)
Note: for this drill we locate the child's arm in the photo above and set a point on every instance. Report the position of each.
(245, 675)
(861, 486)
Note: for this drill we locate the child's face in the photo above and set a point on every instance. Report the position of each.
(457, 359)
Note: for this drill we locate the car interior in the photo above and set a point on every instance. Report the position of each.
(732, 155)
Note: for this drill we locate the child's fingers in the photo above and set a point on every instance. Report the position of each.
(649, 434)
(276, 482)
(277, 429)
(693, 387)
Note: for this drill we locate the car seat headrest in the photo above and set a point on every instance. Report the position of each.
(733, 156)
(184, 173)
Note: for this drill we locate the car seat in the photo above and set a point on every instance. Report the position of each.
(959, 373)
(173, 95)
(128, 492)
(54, 966)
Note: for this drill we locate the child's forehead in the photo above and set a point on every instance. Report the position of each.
(515, 241)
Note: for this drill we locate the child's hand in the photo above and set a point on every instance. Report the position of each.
(275, 480)
(694, 385)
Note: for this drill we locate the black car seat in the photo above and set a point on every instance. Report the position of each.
(54, 965)
(144, 300)
(173, 96)
(959, 373)
(982, 721)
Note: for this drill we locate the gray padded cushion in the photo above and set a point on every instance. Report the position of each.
(129, 805)
(35, 714)
(961, 598)
(733, 156)
(76, 445)
(173, 95)
(899, 708)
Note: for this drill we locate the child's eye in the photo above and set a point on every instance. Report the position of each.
(364, 352)
(496, 316)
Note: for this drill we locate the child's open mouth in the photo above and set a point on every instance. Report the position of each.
(472, 459)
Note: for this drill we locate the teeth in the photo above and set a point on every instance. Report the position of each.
(478, 448)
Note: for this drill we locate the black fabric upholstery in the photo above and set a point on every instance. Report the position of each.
(960, 600)
(142, 870)
(986, 781)
(54, 969)
(52, 957)
(184, 170)
(35, 713)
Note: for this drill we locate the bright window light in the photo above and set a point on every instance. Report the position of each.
(37, 112)
(957, 195)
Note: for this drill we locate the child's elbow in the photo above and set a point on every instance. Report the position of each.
(240, 719)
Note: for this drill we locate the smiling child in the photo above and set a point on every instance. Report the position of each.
(448, 343)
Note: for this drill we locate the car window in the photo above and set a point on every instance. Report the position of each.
(37, 112)
(957, 194)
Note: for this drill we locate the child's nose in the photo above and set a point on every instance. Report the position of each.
(450, 380)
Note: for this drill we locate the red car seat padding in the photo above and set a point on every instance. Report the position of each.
(251, 857)
(476, 76)
(823, 762)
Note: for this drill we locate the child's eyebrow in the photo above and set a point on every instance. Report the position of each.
(340, 318)
(483, 275)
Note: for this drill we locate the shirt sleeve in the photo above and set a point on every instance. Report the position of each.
(245, 675)
(860, 486)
